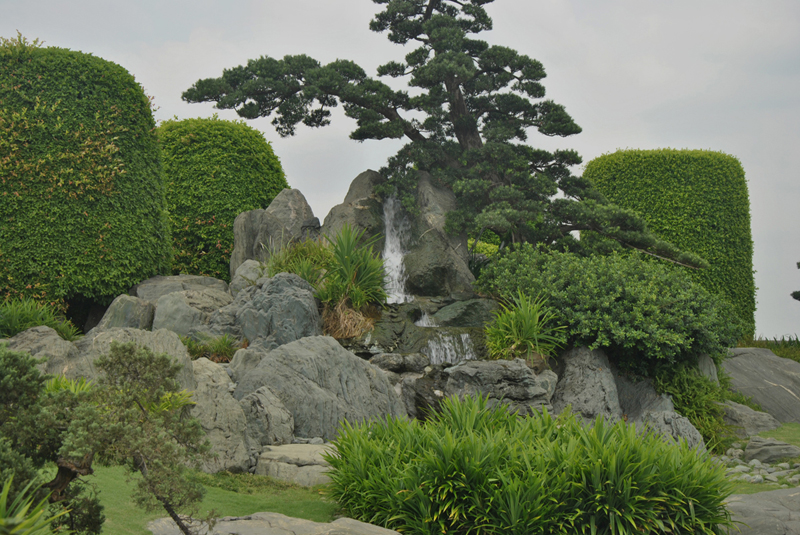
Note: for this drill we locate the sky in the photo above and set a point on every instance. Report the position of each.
(720, 75)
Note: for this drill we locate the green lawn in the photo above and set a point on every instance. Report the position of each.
(255, 494)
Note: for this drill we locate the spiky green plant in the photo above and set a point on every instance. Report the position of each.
(525, 326)
(75, 386)
(22, 516)
(17, 315)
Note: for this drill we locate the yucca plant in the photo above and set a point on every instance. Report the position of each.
(523, 328)
(22, 516)
(61, 382)
(17, 315)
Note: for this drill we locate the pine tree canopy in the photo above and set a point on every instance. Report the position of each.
(467, 119)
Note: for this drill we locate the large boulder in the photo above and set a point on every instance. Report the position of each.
(127, 311)
(301, 464)
(153, 288)
(637, 397)
(587, 385)
(470, 313)
(247, 274)
(671, 425)
(437, 262)
(268, 420)
(776, 512)
(221, 417)
(274, 312)
(256, 233)
(188, 310)
(769, 450)
(362, 209)
(747, 422)
(512, 383)
(773, 382)
(56, 354)
(321, 384)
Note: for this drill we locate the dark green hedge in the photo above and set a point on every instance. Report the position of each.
(696, 199)
(81, 190)
(215, 170)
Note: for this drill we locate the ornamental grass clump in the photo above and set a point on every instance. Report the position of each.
(476, 469)
(20, 314)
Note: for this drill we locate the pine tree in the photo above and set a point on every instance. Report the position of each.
(466, 124)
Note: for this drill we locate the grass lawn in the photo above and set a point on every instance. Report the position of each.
(254, 494)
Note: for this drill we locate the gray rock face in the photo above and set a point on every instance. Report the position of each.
(362, 209)
(773, 382)
(776, 512)
(397, 363)
(769, 450)
(258, 232)
(59, 356)
(182, 312)
(708, 368)
(673, 425)
(320, 383)
(247, 274)
(301, 464)
(268, 420)
(512, 383)
(127, 311)
(153, 288)
(471, 313)
(275, 312)
(637, 398)
(437, 262)
(588, 385)
(747, 422)
(221, 416)
(275, 524)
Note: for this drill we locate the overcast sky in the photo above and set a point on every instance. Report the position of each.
(722, 75)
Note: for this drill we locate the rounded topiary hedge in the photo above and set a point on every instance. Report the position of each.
(82, 208)
(215, 170)
(696, 199)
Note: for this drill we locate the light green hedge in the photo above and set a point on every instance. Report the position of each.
(81, 190)
(696, 199)
(215, 170)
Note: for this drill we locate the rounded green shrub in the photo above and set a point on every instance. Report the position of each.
(215, 170)
(695, 199)
(646, 314)
(81, 191)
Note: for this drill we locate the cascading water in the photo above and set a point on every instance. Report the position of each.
(396, 228)
(425, 321)
(449, 348)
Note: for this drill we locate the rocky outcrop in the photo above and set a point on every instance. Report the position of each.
(470, 313)
(154, 287)
(776, 512)
(362, 209)
(587, 385)
(274, 312)
(745, 421)
(249, 273)
(127, 311)
(301, 464)
(275, 524)
(769, 450)
(773, 382)
(57, 355)
(221, 417)
(268, 420)
(320, 383)
(256, 233)
(671, 425)
(637, 397)
(188, 310)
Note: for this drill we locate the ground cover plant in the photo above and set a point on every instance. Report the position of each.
(214, 348)
(20, 314)
(476, 469)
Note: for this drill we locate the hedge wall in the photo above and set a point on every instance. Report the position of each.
(696, 199)
(215, 170)
(82, 209)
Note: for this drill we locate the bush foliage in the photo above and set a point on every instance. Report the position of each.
(475, 469)
(214, 170)
(82, 196)
(695, 199)
(646, 314)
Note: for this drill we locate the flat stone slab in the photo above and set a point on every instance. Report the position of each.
(301, 464)
(273, 524)
(776, 512)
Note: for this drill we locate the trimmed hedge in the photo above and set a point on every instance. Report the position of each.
(215, 170)
(81, 190)
(695, 199)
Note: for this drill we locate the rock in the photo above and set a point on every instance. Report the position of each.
(244, 361)
(59, 356)
(395, 362)
(301, 464)
(747, 422)
(274, 524)
(247, 274)
(512, 383)
(362, 209)
(221, 417)
(769, 450)
(256, 233)
(773, 382)
(279, 310)
(776, 512)
(637, 397)
(188, 310)
(471, 313)
(587, 385)
(437, 262)
(153, 288)
(708, 368)
(268, 420)
(672, 425)
(320, 383)
(127, 311)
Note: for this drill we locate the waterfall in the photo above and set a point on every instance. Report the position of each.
(449, 348)
(396, 228)
(425, 321)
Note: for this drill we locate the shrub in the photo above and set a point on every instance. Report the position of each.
(82, 210)
(214, 170)
(695, 199)
(309, 259)
(647, 315)
(17, 315)
(215, 349)
(525, 327)
(475, 469)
